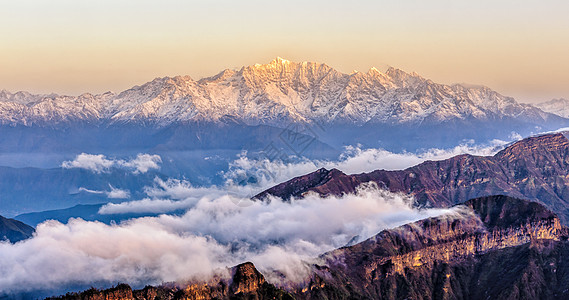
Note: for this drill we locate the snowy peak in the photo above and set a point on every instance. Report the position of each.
(282, 70)
(559, 107)
(275, 93)
(281, 60)
(223, 75)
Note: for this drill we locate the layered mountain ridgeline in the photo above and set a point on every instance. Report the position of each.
(245, 282)
(89, 212)
(536, 168)
(391, 109)
(487, 248)
(14, 231)
(26, 190)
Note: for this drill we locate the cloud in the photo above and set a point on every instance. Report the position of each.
(95, 163)
(142, 163)
(175, 189)
(114, 193)
(100, 163)
(214, 233)
(83, 252)
(514, 136)
(174, 194)
(560, 130)
(86, 190)
(146, 205)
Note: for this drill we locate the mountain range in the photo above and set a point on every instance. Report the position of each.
(504, 235)
(274, 94)
(371, 108)
(494, 245)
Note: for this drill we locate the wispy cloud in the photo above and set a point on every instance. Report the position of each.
(174, 194)
(113, 193)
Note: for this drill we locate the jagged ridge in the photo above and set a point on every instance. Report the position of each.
(274, 94)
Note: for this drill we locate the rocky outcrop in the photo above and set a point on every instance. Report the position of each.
(477, 226)
(119, 292)
(245, 283)
(246, 279)
(536, 168)
(536, 270)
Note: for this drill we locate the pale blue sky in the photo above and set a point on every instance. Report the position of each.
(71, 46)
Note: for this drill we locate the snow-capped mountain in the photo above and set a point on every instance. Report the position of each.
(274, 94)
(559, 107)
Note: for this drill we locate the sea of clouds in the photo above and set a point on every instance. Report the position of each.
(213, 234)
(220, 226)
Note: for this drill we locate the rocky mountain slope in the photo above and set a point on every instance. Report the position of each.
(490, 248)
(275, 93)
(493, 247)
(535, 168)
(14, 231)
(559, 107)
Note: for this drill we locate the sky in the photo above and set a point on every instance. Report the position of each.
(518, 48)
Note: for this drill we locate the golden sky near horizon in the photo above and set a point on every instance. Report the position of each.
(519, 48)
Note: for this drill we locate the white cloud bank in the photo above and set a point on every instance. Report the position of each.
(100, 163)
(213, 234)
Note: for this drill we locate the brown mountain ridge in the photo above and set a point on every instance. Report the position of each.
(535, 168)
